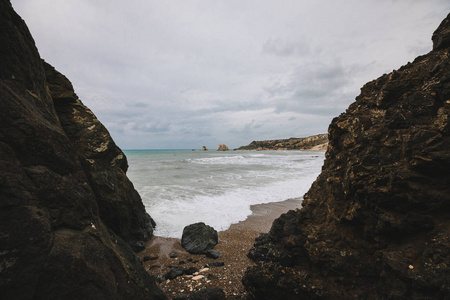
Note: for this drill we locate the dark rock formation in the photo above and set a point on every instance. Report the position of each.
(222, 147)
(105, 165)
(376, 222)
(198, 238)
(315, 142)
(68, 213)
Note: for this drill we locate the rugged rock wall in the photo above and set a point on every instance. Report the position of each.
(317, 142)
(68, 214)
(376, 222)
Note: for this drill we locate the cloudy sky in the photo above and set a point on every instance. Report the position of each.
(183, 74)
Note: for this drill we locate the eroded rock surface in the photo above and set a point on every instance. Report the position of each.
(375, 224)
(68, 214)
(222, 147)
(198, 238)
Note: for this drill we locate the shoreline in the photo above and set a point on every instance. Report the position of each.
(234, 242)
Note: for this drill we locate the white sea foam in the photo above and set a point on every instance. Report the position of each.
(179, 188)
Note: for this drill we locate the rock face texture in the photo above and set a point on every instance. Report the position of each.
(198, 238)
(376, 222)
(315, 142)
(69, 217)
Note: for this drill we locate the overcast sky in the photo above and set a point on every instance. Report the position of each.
(183, 74)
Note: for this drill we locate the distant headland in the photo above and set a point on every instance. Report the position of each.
(314, 142)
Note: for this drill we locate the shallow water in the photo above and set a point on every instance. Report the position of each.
(181, 187)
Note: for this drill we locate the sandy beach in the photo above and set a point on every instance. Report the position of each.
(235, 243)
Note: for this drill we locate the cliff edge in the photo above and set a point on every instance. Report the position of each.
(69, 216)
(314, 142)
(376, 222)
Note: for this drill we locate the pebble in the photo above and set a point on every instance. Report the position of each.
(203, 270)
(198, 277)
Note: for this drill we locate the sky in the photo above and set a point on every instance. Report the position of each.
(184, 74)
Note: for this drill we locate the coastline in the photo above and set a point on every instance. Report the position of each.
(235, 242)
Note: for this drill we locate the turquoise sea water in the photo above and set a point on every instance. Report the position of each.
(181, 187)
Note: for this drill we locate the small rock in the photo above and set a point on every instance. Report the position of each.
(175, 272)
(152, 257)
(191, 271)
(198, 277)
(182, 262)
(213, 253)
(203, 270)
(173, 255)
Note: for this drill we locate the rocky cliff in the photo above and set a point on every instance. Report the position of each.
(316, 142)
(376, 222)
(69, 216)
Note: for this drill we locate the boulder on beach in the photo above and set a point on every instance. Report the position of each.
(198, 238)
(222, 147)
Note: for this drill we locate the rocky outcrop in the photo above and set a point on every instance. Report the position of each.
(69, 216)
(120, 205)
(204, 148)
(222, 147)
(376, 222)
(315, 142)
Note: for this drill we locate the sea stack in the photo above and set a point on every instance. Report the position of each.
(376, 222)
(204, 148)
(222, 147)
(69, 217)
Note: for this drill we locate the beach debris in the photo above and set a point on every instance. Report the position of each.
(198, 277)
(198, 238)
(215, 264)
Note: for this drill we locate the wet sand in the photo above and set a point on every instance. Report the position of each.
(235, 243)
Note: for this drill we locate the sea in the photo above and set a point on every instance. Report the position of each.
(182, 187)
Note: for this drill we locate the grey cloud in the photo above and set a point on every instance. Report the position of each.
(164, 74)
(281, 47)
